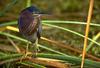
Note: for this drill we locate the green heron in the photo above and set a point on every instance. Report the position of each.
(29, 24)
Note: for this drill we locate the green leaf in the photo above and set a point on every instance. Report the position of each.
(71, 59)
(30, 64)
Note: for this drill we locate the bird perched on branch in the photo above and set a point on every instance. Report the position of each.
(29, 24)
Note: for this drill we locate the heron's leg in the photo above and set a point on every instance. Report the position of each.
(26, 52)
(36, 47)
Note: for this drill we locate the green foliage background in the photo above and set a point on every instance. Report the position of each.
(68, 11)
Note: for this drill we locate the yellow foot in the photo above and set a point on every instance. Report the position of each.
(26, 53)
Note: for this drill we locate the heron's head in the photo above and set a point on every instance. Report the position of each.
(35, 11)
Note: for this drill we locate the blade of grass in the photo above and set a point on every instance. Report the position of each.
(87, 32)
(71, 32)
(91, 43)
(52, 63)
(71, 59)
(14, 45)
(30, 64)
(52, 22)
(9, 58)
(67, 22)
(8, 23)
(15, 29)
(23, 40)
(49, 49)
(61, 45)
(65, 30)
(2, 54)
(15, 37)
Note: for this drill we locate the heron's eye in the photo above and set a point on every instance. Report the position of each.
(33, 12)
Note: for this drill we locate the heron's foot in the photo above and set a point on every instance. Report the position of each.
(35, 51)
(26, 53)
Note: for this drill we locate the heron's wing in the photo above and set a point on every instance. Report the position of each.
(27, 23)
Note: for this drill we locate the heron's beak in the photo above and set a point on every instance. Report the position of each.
(40, 15)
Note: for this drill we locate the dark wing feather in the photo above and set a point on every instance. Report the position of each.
(27, 24)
